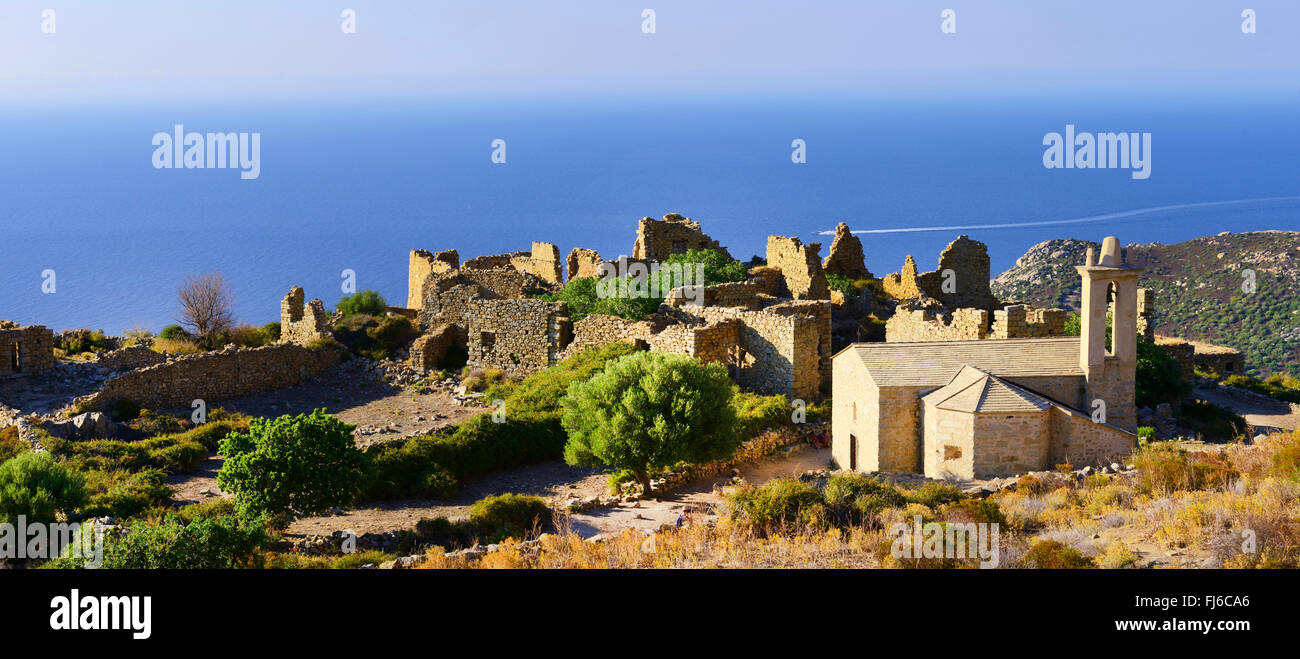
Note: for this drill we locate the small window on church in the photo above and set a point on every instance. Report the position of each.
(952, 453)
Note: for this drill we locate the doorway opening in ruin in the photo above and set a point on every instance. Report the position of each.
(853, 452)
(15, 357)
(640, 344)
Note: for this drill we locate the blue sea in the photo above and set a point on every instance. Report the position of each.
(356, 184)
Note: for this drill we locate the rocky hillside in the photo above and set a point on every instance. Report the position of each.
(1199, 289)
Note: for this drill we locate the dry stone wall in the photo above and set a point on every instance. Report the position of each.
(911, 324)
(212, 376)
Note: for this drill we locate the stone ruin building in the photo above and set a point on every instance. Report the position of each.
(954, 302)
(657, 240)
(772, 332)
(25, 348)
(300, 323)
(846, 257)
(984, 408)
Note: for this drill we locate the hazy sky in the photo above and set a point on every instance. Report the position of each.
(248, 49)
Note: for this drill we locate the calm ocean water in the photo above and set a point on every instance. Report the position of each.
(355, 186)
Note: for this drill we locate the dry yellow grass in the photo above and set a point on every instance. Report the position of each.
(1239, 508)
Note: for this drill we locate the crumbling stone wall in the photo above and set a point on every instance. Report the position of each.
(600, 329)
(421, 265)
(302, 325)
(520, 337)
(1020, 321)
(542, 262)
(1145, 313)
(742, 294)
(212, 376)
(583, 263)
(1219, 359)
(1182, 352)
(130, 357)
(429, 349)
(784, 348)
(968, 261)
(846, 257)
(446, 296)
(914, 323)
(800, 266)
(656, 240)
(25, 348)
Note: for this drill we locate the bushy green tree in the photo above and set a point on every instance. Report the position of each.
(291, 465)
(38, 487)
(650, 410)
(1159, 376)
(363, 302)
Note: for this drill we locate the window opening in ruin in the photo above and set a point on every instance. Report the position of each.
(1228, 367)
(15, 357)
(640, 344)
(853, 453)
(486, 341)
(952, 453)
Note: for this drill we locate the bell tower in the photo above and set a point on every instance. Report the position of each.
(1109, 375)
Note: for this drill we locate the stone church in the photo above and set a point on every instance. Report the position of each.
(996, 407)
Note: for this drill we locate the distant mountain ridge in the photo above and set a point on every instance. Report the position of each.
(1199, 289)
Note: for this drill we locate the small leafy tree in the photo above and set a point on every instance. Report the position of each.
(38, 487)
(291, 465)
(650, 410)
(364, 302)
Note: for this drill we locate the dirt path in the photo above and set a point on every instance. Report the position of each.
(1261, 414)
(702, 496)
(555, 481)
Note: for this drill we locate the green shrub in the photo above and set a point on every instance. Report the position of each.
(37, 487)
(10, 444)
(376, 337)
(271, 332)
(1054, 555)
(205, 543)
(78, 341)
(1211, 421)
(934, 495)
(173, 333)
(979, 511)
(1146, 432)
(291, 465)
(365, 302)
(858, 498)
(509, 516)
(121, 494)
(124, 410)
(1159, 377)
(650, 410)
(779, 504)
